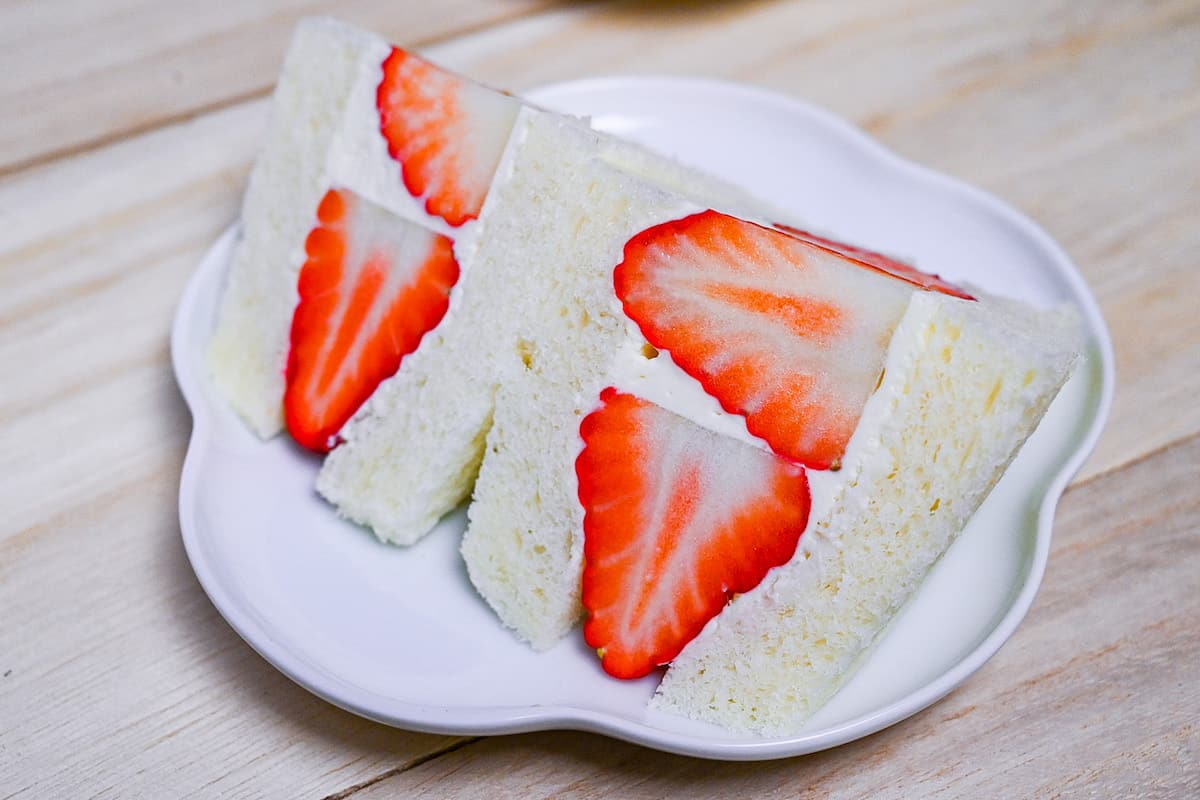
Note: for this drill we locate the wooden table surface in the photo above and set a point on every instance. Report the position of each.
(128, 127)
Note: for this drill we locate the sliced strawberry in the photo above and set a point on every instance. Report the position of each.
(926, 280)
(786, 333)
(447, 133)
(676, 520)
(372, 285)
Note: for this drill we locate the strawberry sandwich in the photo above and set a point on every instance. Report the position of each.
(731, 447)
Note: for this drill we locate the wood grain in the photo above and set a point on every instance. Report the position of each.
(118, 677)
(75, 73)
(1106, 710)
(121, 680)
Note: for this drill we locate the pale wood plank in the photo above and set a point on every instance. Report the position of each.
(120, 679)
(97, 287)
(76, 73)
(1095, 695)
(134, 686)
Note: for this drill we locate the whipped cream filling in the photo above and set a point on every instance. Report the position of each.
(638, 369)
(358, 157)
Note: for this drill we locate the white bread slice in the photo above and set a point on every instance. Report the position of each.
(523, 546)
(965, 385)
(247, 354)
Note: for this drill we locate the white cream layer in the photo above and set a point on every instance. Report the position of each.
(358, 156)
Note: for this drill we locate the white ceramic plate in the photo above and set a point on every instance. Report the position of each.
(399, 636)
